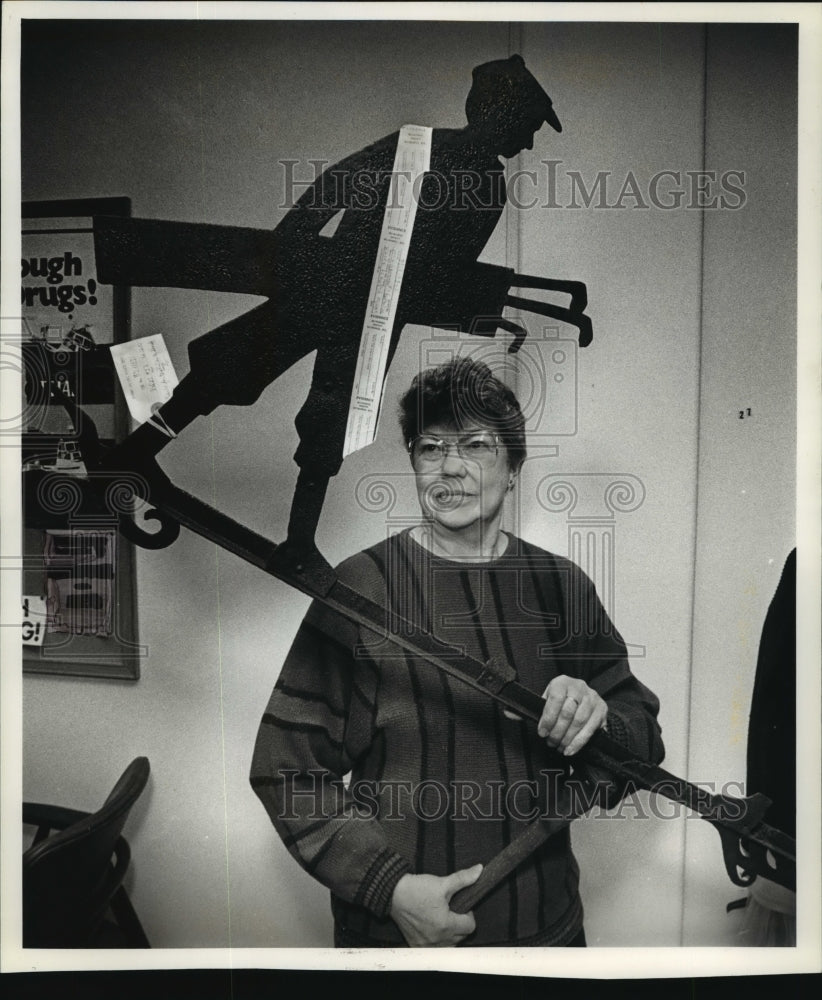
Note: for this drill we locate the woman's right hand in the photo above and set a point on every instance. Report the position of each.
(420, 909)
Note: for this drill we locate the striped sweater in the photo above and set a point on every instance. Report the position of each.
(438, 776)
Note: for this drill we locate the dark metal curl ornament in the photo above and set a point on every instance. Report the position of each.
(168, 533)
(128, 493)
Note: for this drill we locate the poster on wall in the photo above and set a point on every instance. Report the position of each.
(593, 219)
(79, 615)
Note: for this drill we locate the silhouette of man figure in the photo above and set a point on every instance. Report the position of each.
(317, 286)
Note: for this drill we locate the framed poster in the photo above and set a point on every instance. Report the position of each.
(79, 613)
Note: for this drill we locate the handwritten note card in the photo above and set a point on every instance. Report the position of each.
(146, 374)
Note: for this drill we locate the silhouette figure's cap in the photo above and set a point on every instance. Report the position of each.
(507, 82)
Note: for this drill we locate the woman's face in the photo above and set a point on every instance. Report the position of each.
(462, 476)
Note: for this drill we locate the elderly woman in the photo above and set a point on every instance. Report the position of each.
(440, 778)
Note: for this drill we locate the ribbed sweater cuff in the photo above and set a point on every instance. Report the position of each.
(618, 730)
(380, 880)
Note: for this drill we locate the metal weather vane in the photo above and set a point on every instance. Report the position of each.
(320, 294)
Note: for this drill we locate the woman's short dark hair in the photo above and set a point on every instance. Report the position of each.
(459, 393)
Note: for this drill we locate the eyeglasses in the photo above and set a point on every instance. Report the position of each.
(481, 447)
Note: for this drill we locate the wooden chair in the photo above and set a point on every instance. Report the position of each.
(73, 894)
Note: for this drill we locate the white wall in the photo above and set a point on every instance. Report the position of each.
(635, 104)
(747, 467)
(189, 121)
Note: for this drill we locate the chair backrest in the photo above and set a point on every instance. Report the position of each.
(69, 878)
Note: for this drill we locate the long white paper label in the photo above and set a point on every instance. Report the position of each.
(413, 158)
(146, 374)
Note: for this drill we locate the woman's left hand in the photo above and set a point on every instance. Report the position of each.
(573, 713)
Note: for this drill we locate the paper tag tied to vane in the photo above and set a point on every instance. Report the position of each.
(146, 375)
